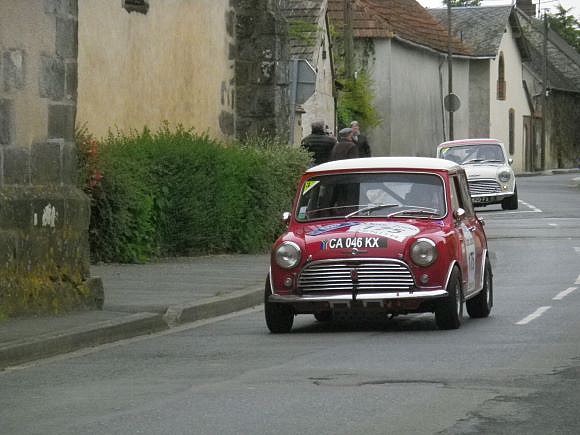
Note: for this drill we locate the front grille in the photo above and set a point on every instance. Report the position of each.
(367, 275)
(484, 187)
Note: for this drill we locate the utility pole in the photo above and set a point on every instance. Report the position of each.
(348, 39)
(449, 67)
(544, 93)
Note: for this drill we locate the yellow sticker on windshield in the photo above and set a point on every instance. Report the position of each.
(309, 185)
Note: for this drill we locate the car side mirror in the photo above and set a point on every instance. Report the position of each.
(286, 217)
(510, 160)
(459, 213)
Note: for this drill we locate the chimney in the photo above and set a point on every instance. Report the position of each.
(526, 7)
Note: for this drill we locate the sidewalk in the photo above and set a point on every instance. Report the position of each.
(141, 299)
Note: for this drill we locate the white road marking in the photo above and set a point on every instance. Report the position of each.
(577, 280)
(533, 316)
(563, 294)
(553, 225)
(577, 249)
(530, 206)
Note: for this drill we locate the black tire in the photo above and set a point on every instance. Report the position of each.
(449, 311)
(511, 202)
(480, 305)
(279, 317)
(324, 316)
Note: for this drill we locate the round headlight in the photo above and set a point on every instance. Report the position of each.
(423, 252)
(287, 255)
(504, 175)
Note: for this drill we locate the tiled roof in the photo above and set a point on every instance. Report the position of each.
(303, 17)
(563, 60)
(481, 27)
(403, 19)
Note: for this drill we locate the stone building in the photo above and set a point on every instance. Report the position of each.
(219, 66)
(44, 217)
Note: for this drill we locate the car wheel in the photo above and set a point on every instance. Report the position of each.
(324, 316)
(480, 305)
(449, 311)
(279, 317)
(511, 202)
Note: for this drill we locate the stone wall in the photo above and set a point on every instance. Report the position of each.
(262, 58)
(44, 256)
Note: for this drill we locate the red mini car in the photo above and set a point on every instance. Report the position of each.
(395, 235)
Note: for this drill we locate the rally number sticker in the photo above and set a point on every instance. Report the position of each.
(392, 230)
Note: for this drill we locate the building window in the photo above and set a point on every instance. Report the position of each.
(140, 6)
(511, 138)
(501, 78)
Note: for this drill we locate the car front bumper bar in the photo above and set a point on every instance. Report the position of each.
(365, 297)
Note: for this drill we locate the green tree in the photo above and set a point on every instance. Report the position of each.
(566, 25)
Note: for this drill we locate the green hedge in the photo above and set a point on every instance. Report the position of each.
(175, 192)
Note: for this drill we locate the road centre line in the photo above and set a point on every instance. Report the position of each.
(577, 249)
(533, 316)
(577, 280)
(564, 293)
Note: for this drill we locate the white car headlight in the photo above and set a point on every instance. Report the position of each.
(423, 252)
(288, 255)
(504, 175)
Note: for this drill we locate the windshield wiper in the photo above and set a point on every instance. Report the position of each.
(416, 210)
(369, 208)
(471, 161)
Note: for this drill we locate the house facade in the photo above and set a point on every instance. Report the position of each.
(309, 39)
(499, 104)
(559, 70)
(404, 50)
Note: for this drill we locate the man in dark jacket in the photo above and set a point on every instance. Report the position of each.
(360, 140)
(318, 143)
(345, 148)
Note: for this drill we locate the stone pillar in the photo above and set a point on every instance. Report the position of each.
(44, 217)
(262, 59)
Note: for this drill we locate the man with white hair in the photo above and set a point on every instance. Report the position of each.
(361, 141)
(345, 148)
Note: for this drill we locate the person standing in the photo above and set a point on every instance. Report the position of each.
(360, 140)
(345, 148)
(318, 143)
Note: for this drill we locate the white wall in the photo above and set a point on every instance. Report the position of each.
(321, 105)
(409, 84)
(515, 99)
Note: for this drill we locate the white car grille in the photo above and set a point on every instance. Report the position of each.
(484, 187)
(367, 275)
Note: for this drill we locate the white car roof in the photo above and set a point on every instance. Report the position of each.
(464, 142)
(368, 163)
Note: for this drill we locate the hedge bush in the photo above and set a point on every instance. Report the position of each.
(174, 192)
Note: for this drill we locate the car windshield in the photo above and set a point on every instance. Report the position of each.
(387, 194)
(469, 154)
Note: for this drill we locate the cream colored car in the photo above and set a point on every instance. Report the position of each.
(489, 173)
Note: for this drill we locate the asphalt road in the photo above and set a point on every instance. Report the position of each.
(517, 372)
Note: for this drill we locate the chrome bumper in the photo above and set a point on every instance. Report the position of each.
(365, 297)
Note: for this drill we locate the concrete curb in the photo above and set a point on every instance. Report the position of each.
(80, 337)
(213, 307)
(129, 326)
